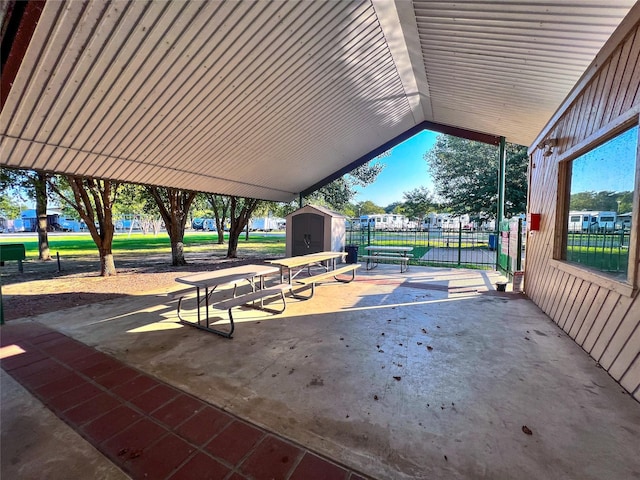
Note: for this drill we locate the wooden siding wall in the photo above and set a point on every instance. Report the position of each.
(603, 319)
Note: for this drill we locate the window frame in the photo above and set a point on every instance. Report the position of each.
(630, 286)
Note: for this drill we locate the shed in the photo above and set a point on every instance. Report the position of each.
(313, 229)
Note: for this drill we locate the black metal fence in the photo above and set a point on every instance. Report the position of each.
(604, 251)
(433, 247)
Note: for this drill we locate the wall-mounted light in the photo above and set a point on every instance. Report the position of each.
(547, 146)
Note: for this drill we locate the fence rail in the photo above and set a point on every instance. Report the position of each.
(604, 251)
(434, 247)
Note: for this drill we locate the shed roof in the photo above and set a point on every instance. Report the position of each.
(267, 99)
(316, 208)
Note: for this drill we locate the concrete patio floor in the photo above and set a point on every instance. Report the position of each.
(426, 374)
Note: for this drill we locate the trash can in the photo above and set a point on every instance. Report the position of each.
(352, 253)
(493, 241)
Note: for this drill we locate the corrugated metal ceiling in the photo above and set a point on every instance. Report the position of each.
(264, 99)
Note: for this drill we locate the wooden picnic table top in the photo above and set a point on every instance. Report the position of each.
(227, 275)
(303, 260)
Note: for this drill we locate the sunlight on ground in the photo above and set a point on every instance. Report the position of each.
(169, 324)
(128, 314)
(10, 351)
(406, 304)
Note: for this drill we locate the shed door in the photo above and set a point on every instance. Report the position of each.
(308, 233)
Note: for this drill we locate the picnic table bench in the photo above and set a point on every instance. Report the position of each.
(12, 251)
(203, 285)
(387, 254)
(303, 262)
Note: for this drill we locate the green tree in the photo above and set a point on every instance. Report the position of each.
(133, 199)
(174, 205)
(367, 207)
(605, 200)
(93, 199)
(466, 176)
(624, 201)
(10, 206)
(240, 211)
(395, 207)
(281, 209)
(337, 194)
(34, 183)
(418, 202)
(220, 206)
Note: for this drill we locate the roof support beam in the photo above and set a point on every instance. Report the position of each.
(17, 30)
(434, 127)
(398, 22)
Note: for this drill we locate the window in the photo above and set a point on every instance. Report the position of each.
(600, 206)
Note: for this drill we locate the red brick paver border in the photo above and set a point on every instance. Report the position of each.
(147, 427)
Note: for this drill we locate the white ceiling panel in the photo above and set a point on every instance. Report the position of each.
(266, 99)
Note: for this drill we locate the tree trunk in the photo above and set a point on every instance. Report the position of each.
(176, 236)
(174, 207)
(40, 185)
(107, 265)
(177, 254)
(44, 253)
(93, 199)
(239, 220)
(220, 229)
(232, 249)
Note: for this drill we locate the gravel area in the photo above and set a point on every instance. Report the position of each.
(42, 288)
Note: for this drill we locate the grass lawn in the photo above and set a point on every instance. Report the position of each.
(607, 260)
(138, 243)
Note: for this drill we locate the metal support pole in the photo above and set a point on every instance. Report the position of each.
(502, 169)
(301, 200)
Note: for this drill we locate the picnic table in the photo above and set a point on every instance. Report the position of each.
(204, 284)
(12, 251)
(386, 253)
(326, 260)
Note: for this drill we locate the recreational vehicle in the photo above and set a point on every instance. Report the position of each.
(267, 224)
(585, 221)
(606, 220)
(388, 221)
(592, 221)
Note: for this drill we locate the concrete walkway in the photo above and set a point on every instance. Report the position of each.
(427, 374)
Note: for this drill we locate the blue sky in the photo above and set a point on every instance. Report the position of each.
(611, 166)
(404, 170)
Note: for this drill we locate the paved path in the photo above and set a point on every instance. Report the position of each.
(148, 428)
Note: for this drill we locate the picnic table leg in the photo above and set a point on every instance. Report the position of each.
(206, 305)
(198, 303)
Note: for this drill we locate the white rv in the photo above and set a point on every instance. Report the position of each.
(387, 221)
(267, 224)
(584, 221)
(606, 221)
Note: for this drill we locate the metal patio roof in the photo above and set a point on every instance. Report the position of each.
(266, 99)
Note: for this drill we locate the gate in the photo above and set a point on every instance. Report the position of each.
(510, 247)
(438, 247)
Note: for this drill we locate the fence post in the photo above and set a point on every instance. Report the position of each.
(519, 258)
(502, 162)
(459, 242)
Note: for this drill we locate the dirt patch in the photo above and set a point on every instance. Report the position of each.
(42, 288)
